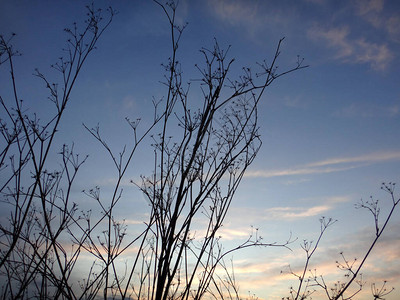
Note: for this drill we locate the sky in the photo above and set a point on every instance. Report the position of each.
(330, 132)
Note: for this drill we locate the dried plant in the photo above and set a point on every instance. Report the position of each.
(201, 151)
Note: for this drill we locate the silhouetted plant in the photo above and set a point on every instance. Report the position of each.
(33, 260)
(201, 153)
(196, 173)
(353, 277)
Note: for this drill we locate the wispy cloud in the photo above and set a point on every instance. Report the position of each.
(368, 111)
(295, 101)
(311, 207)
(233, 234)
(290, 213)
(237, 12)
(329, 165)
(393, 27)
(134, 221)
(367, 158)
(351, 50)
(296, 181)
(374, 13)
(296, 212)
(129, 103)
(369, 8)
(378, 56)
(253, 17)
(259, 270)
(335, 37)
(305, 170)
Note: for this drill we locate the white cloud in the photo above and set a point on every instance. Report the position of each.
(280, 213)
(379, 56)
(295, 171)
(393, 27)
(335, 37)
(235, 12)
(329, 165)
(134, 222)
(233, 234)
(129, 103)
(370, 11)
(368, 111)
(371, 6)
(295, 102)
(253, 17)
(374, 13)
(290, 213)
(296, 181)
(366, 158)
(350, 50)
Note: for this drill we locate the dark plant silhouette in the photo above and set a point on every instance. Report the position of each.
(200, 156)
(201, 153)
(33, 259)
(353, 278)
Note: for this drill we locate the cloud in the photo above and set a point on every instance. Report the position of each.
(233, 234)
(368, 158)
(374, 13)
(135, 221)
(393, 28)
(295, 171)
(290, 213)
(350, 50)
(365, 7)
(254, 17)
(368, 111)
(280, 213)
(255, 273)
(370, 11)
(296, 181)
(236, 12)
(262, 272)
(295, 102)
(271, 272)
(129, 103)
(383, 262)
(379, 56)
(329, 165)
(336, 37)
(256, 215)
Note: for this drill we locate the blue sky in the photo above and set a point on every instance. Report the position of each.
(330, 132)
